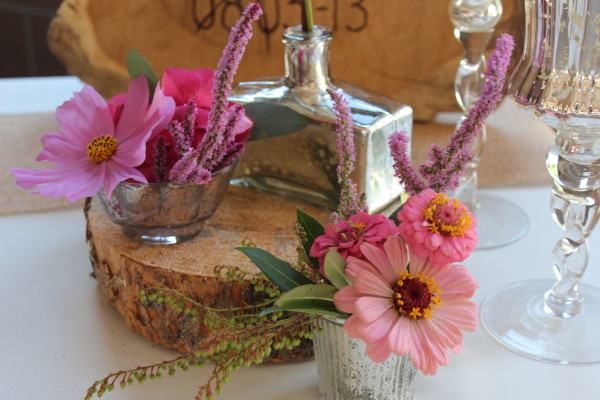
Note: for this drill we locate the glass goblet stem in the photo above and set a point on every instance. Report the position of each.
(474, 22)
(574, 164)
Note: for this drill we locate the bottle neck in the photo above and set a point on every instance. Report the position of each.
(307, 57)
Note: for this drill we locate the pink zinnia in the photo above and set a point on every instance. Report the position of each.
(348, 236)
(438, 227)
(419, 309)
(93, 150)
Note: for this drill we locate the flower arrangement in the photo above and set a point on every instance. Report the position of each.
(393, 280)
(175, 131)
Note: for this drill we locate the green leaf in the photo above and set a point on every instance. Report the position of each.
(138, 65)
(335, 267)
(269, 310)
(394, 215)
(271, 119)
(318, 311)
(313, 230)
(280, 272)
(308, 297)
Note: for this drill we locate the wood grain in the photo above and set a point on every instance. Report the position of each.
(124, 267)
(404, 49)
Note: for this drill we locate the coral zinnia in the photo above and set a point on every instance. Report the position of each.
(94, 148)
(438, 227)
(418, 309)
(347, 236)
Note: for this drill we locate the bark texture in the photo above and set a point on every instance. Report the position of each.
(124, 267)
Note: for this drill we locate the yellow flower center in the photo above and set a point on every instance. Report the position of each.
(353, 232)
(101, 148)
(360, 227)
(416, 295)
(447, 216)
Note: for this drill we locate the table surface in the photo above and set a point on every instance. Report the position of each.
(58, 333)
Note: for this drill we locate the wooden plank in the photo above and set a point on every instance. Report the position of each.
(403, 48)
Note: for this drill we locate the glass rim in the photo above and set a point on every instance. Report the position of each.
(222, 171)
(297, 34)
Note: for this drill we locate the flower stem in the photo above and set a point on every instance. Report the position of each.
(307, 15)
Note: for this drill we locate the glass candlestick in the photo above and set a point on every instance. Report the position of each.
(499, 222)
(557, 82)
(303, 164)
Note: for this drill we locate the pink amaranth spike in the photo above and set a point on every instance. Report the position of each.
(446, 166)
(211, 147)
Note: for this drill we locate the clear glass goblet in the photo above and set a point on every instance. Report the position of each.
(557, 81)
(500, 222)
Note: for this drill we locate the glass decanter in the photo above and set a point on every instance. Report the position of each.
(500, 222)
(557, 81)
(303, 164)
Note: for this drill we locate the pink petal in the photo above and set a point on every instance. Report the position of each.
(456, 282)
(115, 173)
(345, 298)
(448, 333)
(130, 153)
(244, 125)
(370, 284)
(420, 264)
(397, 253)
(417, 355)
(186, 85)
(379, 328)
(354, 327)
(369, 309)
(447, 246)
(85, 117)
(460, 313)
(132, 121)
(379, 260)
(355, 266)
(436, 240)
(74, 181)
(435, 351)
(399, 338)
(160, 112)
(456, 349)
(60, 150)
(378, 351)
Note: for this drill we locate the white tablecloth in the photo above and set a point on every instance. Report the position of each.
(58, 333)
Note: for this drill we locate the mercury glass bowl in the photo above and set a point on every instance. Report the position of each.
(165, 213)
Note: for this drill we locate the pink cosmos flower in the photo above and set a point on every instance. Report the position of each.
(438, 227)
(189, 88)
(419, 309)
(348, 236)
(96, 148)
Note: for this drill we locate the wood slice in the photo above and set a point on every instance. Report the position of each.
(124, 267)
(404, 49)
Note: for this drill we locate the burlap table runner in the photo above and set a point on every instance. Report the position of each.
(514, 153)
(19, 145)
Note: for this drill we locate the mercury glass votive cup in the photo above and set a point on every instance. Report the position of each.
(347, 373)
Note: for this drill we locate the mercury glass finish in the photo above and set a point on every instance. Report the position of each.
(557, 82)
(165, 213)
(303, 164)
(347, 373)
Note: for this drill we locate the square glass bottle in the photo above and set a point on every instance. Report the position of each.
(303, 164)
